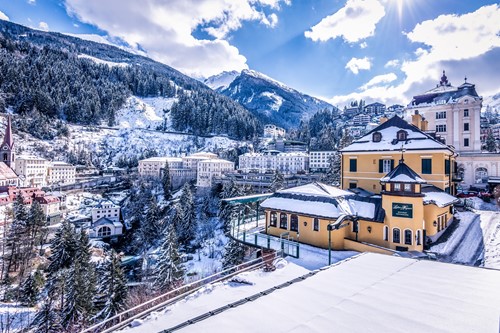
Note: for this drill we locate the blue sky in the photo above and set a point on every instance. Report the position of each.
(338, 50)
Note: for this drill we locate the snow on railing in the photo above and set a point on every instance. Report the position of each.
(121, 319)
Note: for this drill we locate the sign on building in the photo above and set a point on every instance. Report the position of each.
(402, 210)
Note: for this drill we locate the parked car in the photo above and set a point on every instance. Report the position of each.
(467, 194)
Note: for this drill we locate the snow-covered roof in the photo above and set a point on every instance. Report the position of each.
(440, 199)
(162, 159)
(317, 189)
(370, 292)
(321, 200)
(402, 174)
(416, 139)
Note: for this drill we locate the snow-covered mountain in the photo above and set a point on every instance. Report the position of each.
(493, 102)
(267, 98)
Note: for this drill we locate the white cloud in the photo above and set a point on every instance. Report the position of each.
(363, 45)
(3, 16)
(467, 44)
(393, 63)
(376, 80)
(32, 2)
(356, 64)
(353, 22)
(165, 29)
(43, 26)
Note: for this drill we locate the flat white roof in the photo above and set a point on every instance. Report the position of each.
(372, 293)
(162, 159)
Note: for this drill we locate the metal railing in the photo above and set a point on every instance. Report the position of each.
(139, 311)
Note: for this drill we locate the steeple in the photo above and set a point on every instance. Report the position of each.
(444, 80)
(8, 138)
(7, 147)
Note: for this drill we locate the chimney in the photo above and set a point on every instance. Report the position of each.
(416, 119)
(382, 120)
(424, 126)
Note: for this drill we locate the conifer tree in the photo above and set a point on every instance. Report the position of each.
(490, 144)
(47, 319)
(166, 182)
(278, 182)
(186, 230)
(81, 289)
(30, 288)
(112, 289)
(170, 271)
(16, 236)
(234, 254)
(63, 247)
(333, 173)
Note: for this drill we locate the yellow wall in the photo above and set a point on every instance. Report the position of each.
(361, 247)
(368, 177)
(431, 214)
(402, 223)
(306, 232)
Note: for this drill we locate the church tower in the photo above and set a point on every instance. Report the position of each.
(7, 147)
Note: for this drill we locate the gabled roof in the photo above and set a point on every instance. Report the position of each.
(416, 139)
(402, 174)
(325, 201)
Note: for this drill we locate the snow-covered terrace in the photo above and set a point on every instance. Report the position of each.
(367, 293)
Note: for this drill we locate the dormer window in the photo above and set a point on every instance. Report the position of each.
(402, 135)
(377, 137)
(397, 187)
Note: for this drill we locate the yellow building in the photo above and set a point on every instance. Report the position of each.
(408, 214)
(369, 158)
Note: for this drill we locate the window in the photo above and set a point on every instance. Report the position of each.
(355, 226)
(466, 112)
(283, 221)
(408, 235)
(5, 157)
(104, 232)
(481, 175)
(407, 187)
(419, 237)
(352, 185)
(441, 128)
(294, 222)
(386, 233)
(427, 166)
(385, 166)
(316, 224)
(402, 135)
(273, 220)
(447, 167)
(396, 234)
(441, 115)
(396, 187)
(466, 142)
(466, 127)
(353, 165)
(377, 137)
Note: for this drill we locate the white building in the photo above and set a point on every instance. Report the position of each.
(32, 170)
(106, 209)
(61, 173)
(105, 227)
(191, 161)
(454, 114)
(208, 169)
(152, 166)
(8, 176)
(320, 160)
(272, 131)
(271, 160)
(361, 119)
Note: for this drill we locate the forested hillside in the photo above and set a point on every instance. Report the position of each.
(51, 77)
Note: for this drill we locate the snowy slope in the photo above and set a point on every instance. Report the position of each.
(222, 80)
(267, 98)
(144, 112)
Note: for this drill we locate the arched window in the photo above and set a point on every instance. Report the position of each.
(408, 235)
(273, 219)
(396, 235)
(104, 232)
(402, 135)
(481, 175)
(294, 222)
(386, 233)
(377, 137)
(283, 221)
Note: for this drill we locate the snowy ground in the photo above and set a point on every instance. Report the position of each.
(144, 112)
(476, 239)
(14, 318)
